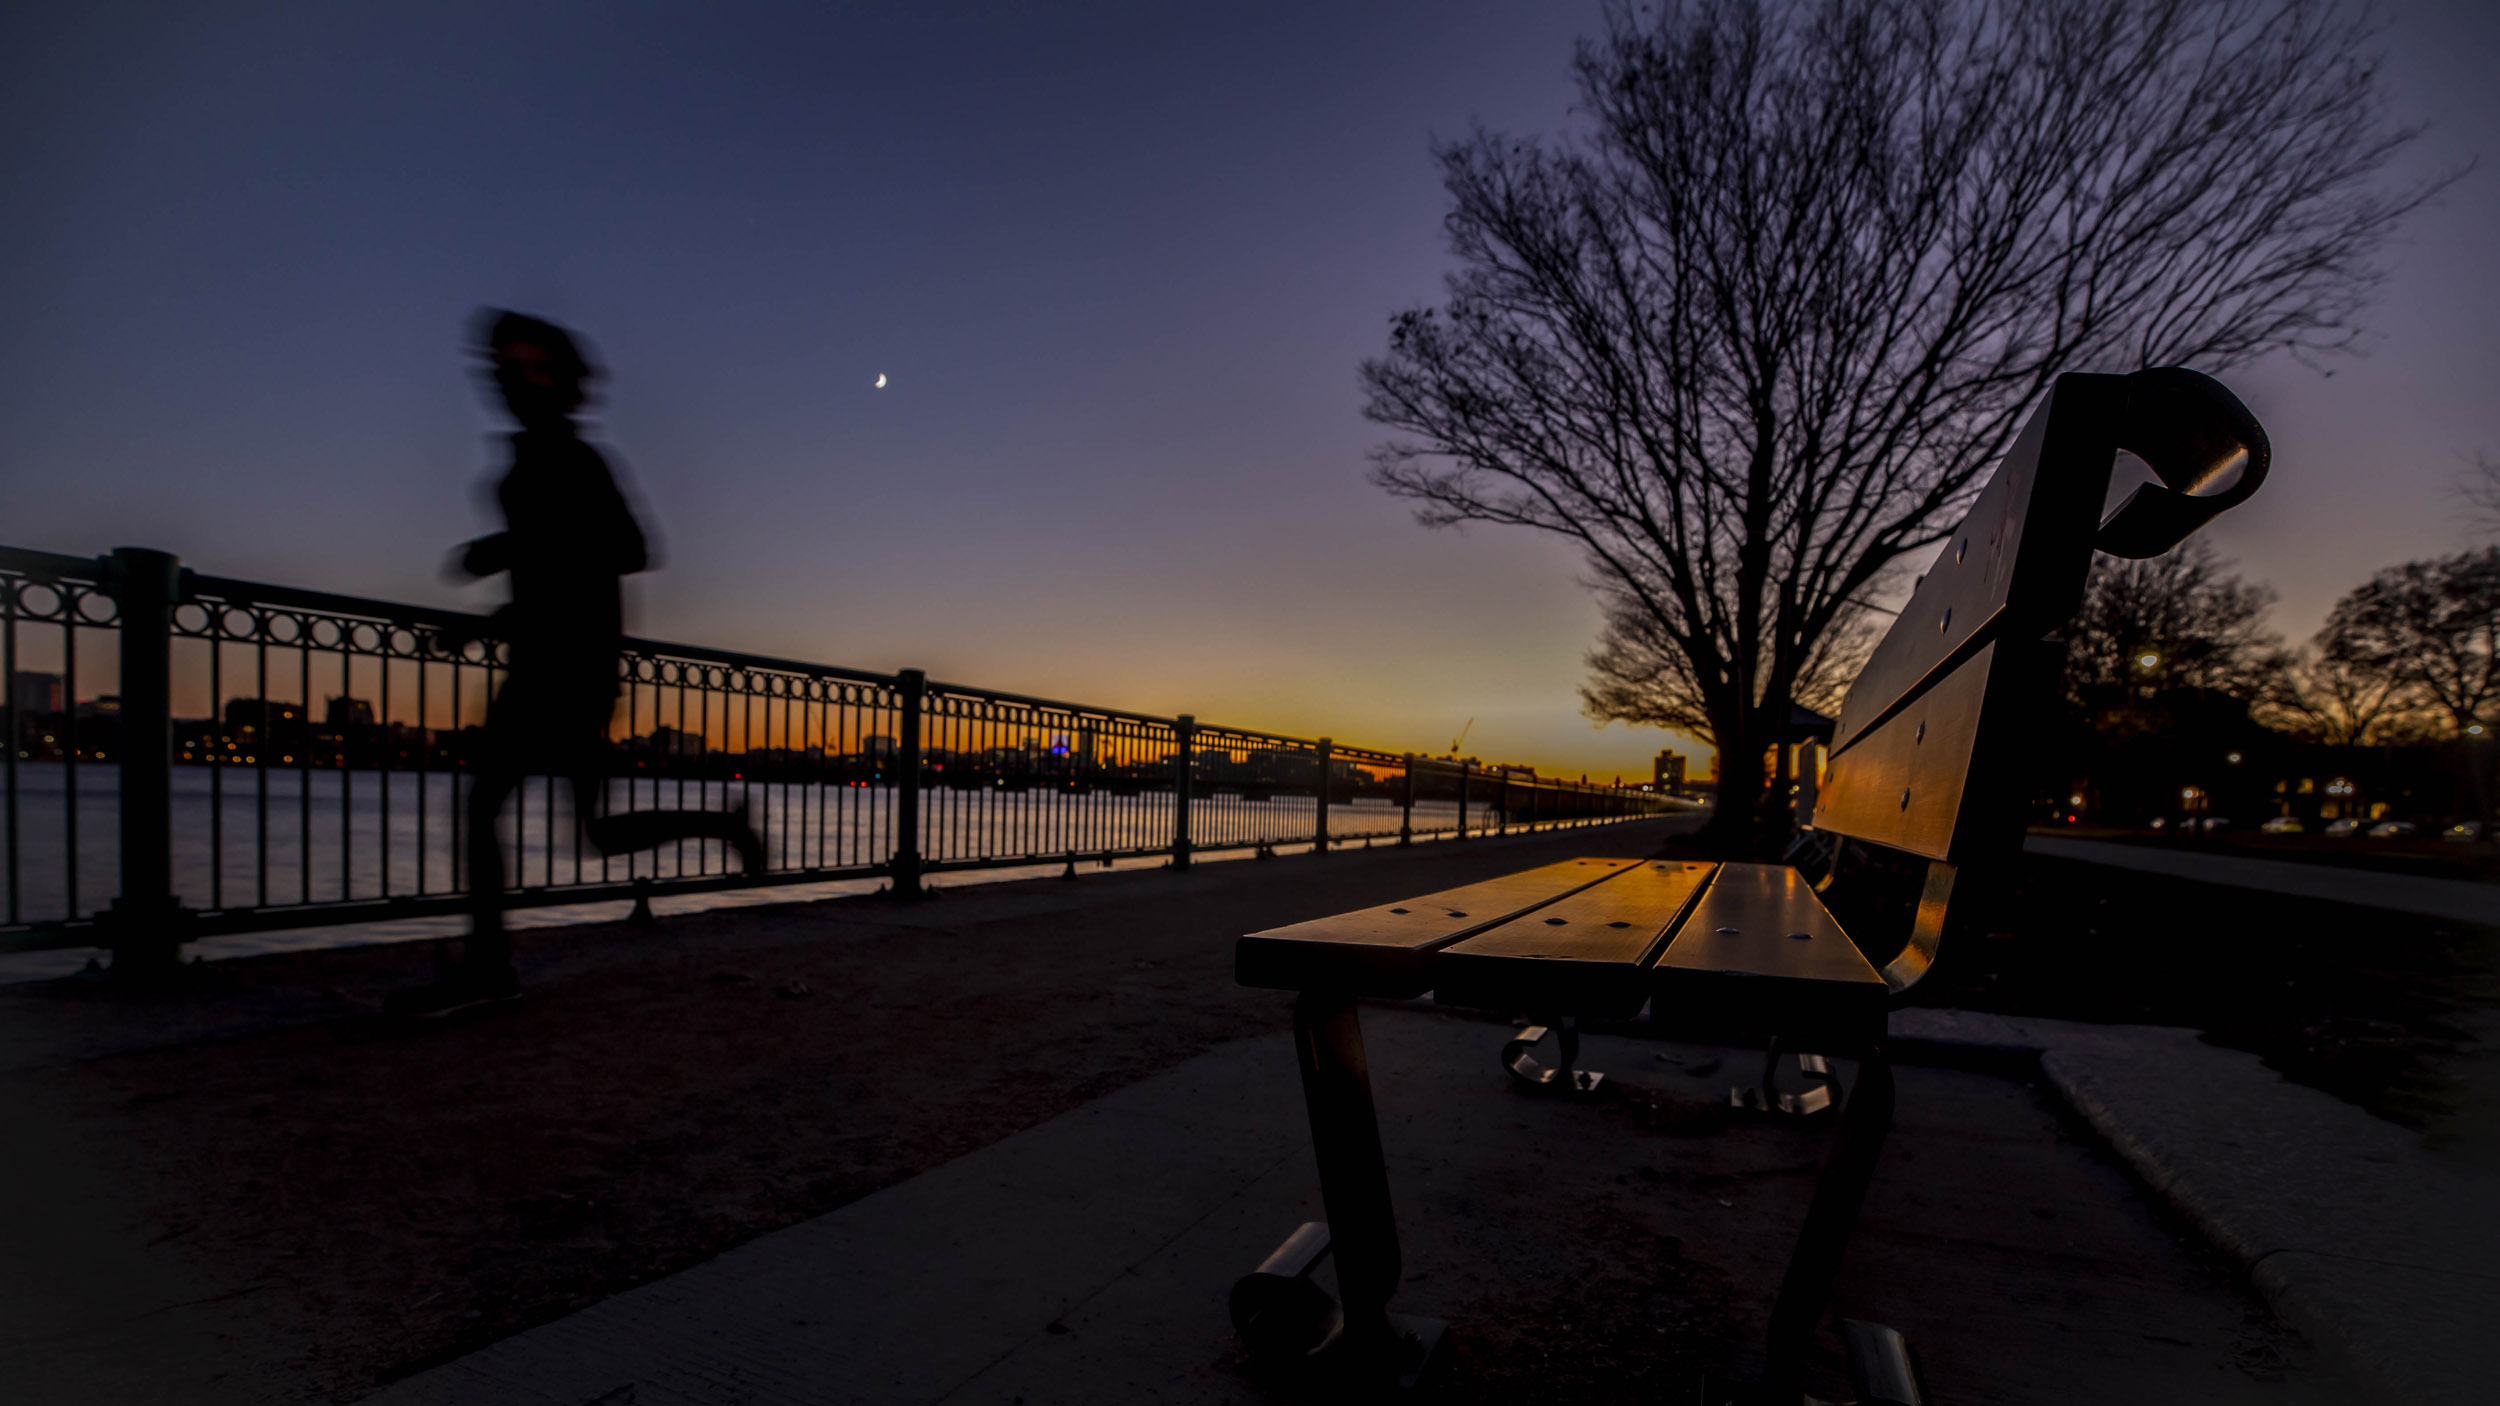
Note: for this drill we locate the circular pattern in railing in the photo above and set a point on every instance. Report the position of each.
(291, 628)
(36, 600)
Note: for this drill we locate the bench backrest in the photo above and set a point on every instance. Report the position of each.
(1928, 753)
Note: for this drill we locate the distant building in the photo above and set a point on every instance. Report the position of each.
(34, 692)
(1668, 774)
(673, 742)
(349, 712)
(248, 713)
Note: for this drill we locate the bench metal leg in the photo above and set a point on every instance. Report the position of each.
(1848, 1169)
(1354, 1186)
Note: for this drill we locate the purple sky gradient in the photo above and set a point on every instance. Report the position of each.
(1119, 262)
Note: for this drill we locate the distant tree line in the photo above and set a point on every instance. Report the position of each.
(2171, 673)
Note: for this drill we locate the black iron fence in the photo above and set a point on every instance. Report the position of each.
(191, 755)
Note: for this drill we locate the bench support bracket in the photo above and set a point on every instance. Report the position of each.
(1821, 1088)
(1566, 1076)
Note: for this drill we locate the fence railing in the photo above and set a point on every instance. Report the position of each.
(191, 755)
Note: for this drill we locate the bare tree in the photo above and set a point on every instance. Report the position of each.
(2481, 489)
(1759, 326)
(2434, 626)
(2333, 694)
(2176, 621)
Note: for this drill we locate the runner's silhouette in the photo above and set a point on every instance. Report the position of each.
(568, 540)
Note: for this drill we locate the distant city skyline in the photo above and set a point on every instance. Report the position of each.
(1118, 262)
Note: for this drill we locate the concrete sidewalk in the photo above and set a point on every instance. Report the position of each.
(2373, 1247)
(1616, 1250)
(2460, 900)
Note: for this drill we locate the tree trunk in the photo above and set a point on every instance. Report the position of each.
(1736, 829)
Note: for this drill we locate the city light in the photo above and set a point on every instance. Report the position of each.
(2474, 730)
(2148, 660)
(2233, 759)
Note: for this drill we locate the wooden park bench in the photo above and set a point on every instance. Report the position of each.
(1927, 761)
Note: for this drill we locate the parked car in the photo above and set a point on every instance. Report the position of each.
(2211, 823)
(2464, 832)
(2342, 829)
(2159, 822)
(2394, 829)
(2284, 825)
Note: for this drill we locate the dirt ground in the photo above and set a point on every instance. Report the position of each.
(386, 1199)
(390, 1198)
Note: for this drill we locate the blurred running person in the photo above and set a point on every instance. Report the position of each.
(568, 540)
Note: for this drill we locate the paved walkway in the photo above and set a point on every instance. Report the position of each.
(2383, 1252)
(2460, 899)
(1088, 1259)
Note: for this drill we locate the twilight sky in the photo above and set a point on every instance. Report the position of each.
(1119, 262)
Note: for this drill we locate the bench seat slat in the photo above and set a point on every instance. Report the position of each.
(1581, 955)
(1734, 968)
(1381, 951)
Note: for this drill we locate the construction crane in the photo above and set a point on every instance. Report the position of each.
(1461, 739)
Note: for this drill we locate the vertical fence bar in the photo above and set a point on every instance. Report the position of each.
(1184, 787)
(144, 919)
(71, 908)
(1463, 769)
(1406, 804)
(912, 685)
(17, 730)
(216, 760)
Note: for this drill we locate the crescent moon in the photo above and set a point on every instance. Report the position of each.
(880, 380)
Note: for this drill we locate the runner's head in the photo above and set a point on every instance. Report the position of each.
(536, 366)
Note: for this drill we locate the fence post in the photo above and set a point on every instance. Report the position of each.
(145, 923)
(913, 686)
(1184, 785)
(1319, 842)
(1501, 804)
(1463, 768)
(1406, 813)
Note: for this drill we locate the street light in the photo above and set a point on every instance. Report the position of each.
(2148, 660)
(2233, 759)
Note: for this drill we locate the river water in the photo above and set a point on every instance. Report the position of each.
(247, 838)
